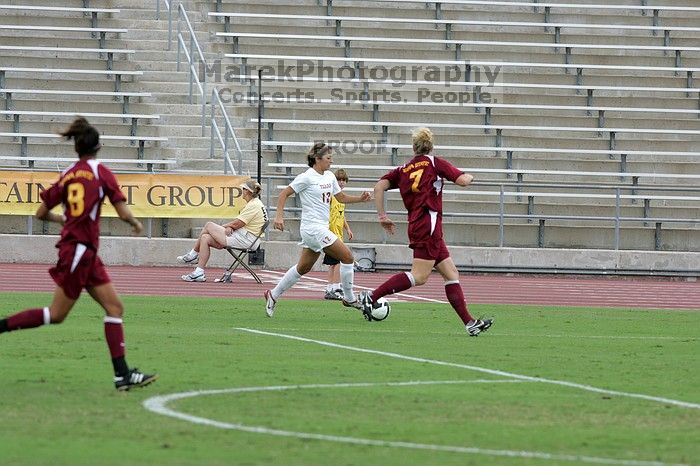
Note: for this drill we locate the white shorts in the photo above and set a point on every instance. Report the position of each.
(242, 239)
(316, 237)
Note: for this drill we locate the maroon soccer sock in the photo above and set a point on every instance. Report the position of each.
(455, 296)
(29, 318)
(396, 284)
(114, 334)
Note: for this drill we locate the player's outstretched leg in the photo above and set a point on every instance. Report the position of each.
(395, 284)
(30, 318)
(288, 280)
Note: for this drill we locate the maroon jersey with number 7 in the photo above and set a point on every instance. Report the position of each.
(420, 182)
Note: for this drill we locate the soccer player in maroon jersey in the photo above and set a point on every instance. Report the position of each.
(420, 182)
(81, 188)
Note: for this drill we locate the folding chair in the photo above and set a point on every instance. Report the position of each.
(240, 254)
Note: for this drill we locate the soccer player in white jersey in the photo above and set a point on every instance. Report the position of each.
(315, 187)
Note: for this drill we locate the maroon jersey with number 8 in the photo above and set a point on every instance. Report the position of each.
(420, 182)
(81, 189)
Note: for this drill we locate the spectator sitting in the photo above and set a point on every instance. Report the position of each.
(241, 232)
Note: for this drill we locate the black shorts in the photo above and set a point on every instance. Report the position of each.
(330, 260)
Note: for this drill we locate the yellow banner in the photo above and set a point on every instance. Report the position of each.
(148, 195)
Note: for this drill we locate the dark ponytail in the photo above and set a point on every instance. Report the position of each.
(86, 137)
(318, 150)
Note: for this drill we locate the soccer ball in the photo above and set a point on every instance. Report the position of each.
(380, 310)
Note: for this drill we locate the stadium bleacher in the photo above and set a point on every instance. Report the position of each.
(612, 97)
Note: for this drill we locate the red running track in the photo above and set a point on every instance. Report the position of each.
(483, 289)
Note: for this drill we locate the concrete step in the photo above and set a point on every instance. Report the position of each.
(510, 138)
(110, 149)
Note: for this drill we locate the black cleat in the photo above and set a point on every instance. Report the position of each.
(134, 379)
(475, 327)
(365, 299)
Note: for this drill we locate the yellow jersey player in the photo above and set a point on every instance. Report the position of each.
(337, 225)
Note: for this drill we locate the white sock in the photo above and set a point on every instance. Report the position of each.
(330, 287)
(288, 281)
(412, 279)
(198, 270)
(347, 275)
(192, 253)
(337, 286)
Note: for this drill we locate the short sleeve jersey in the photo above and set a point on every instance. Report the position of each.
(420, 182)
(254, 215)
(81, 188)
(315, 192)
(337, 221)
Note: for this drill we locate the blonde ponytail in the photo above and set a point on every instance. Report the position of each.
(422, 141)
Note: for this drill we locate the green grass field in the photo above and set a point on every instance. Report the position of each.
(59, 406)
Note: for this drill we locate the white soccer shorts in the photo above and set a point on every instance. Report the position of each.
(316, 237)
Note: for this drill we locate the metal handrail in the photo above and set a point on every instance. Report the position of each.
(195, 62)
(215, 102)
(168, 6)
(192, 60)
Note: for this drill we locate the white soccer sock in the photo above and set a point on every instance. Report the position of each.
(412, 279)
(288, 281)
(347, 275)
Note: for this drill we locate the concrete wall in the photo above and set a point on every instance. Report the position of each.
(282, 254)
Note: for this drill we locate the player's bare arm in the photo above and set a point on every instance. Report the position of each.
(43, 213)
(347, 199)
(379, 189)
(347, 229)
(125, 215)
(279, 215)
(464, 179)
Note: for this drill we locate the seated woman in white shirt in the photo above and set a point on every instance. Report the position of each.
(241, 232)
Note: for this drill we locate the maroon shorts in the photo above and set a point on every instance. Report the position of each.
(78, 267)
(434, 250)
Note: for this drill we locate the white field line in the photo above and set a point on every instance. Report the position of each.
(158, 404)
(491, 332)
(419, 298)
(589, 388)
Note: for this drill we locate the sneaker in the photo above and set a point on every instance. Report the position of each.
(188, 258)
(334, 295)
(134, 379)
(269, 303)
(475, 327)
(192, 277)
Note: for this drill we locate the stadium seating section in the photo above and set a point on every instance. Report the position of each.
(569, 116)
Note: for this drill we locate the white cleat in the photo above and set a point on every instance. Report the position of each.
(356, 304)
(269, 303)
